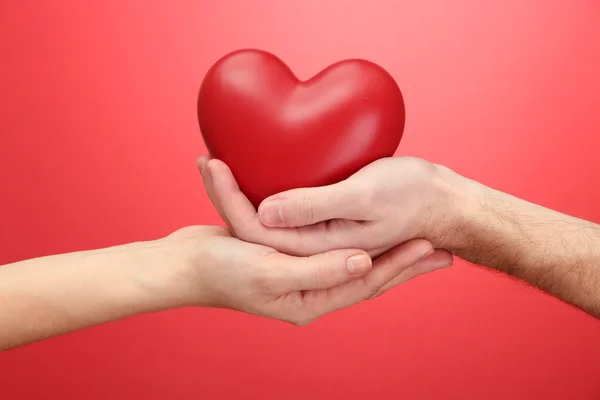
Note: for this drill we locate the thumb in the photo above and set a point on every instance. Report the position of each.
(307, 206)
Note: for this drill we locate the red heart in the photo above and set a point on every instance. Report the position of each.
(276, 132)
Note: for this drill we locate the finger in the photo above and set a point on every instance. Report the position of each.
(385, 269)
(241, 217)
(320, 271)
(201, 162)
(307, 206)
(438, 260)
(235, 207)
(207, 179)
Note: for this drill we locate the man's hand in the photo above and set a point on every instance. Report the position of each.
(395, 200)
(386, 203)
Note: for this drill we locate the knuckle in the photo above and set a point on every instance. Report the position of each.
(237, 231)
(240, 231)
(424, 167)
(246, 232)
(319, 276)
(306, 210)
(367, 199)
(370, 289)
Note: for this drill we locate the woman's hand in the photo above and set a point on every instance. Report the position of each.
(225, 272)
(195, 266)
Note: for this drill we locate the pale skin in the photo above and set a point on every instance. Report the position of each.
(194, 267)
(397, 199)
(288, 260)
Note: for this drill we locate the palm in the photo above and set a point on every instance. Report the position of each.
(259, 280)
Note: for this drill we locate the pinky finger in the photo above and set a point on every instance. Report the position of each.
(438, 260)
(385, 269)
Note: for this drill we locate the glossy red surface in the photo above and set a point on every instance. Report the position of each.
(277, 132)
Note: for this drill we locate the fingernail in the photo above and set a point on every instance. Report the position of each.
(271, 213)
(201, 163)
(358, 264)
(204, 171)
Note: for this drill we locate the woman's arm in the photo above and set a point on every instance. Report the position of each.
(195, 266)
(52, 295)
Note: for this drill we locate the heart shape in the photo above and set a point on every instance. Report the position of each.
(277, 132)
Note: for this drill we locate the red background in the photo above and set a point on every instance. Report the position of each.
(99, 139)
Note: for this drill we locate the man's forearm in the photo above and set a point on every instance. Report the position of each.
(555, 252)
(49, 296)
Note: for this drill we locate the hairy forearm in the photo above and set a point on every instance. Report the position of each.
(558, 253)
(53, 295)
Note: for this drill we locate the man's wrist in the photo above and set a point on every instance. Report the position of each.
(497, 230)
(456, 210)
(482, 225)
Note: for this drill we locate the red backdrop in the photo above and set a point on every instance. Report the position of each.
(98, 143)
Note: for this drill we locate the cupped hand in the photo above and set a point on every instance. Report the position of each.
(225, 272)
(387, 203)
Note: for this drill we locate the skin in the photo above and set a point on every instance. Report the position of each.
(289, 259)
(194, 267)
(394, 200)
